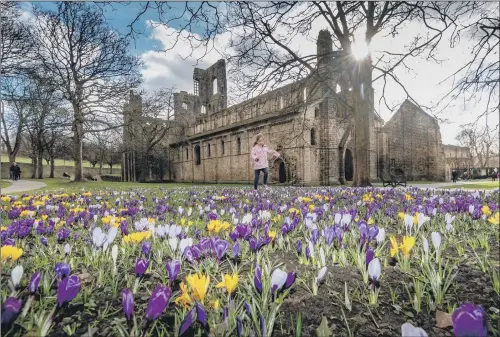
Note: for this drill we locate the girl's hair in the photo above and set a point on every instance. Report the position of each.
(257, 137)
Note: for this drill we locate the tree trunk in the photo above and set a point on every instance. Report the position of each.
(100, 167)
(361, 81)
(144, 168)
(39, 164)
(52, 166)
(78, 142)
(110, 168)
(33, 164)
(12, 158)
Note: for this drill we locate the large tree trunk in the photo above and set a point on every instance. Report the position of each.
(361, 81)
(100, 166)
(78, 142)
(33, 164)
(110, 168)
(144, 168)
(39, 164)
(52, 166)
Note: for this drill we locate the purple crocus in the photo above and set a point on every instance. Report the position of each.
(221, 248)
(186, 322)
(67, 290)
(128, 303)
(372, 232)
(299, 247)
(239, 326)
(469, 320)
(262, 323)
(247, 309)
(44, 241)
(9, 242)
(34, 282)
(146, 247)
(369, 256)
(257, 279)
(62, 270)
(10, 310)
(201, 315)
(141, 266)
(173, 269)
(236, 250)
(290, 280)
(158, 302)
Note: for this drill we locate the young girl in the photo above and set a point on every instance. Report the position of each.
(259, 158)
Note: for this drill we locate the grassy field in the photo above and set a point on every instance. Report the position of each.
(488, 185)
(5, 183)
(59, 162)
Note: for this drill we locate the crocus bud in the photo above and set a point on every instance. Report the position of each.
(128, 303)
(16, 275)
(141, 266)
(158, 302)
(34, 282)
(67, 289)
(10, 310)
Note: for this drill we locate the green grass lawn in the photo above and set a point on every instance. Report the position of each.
(5, 183)
(487, 185)
(60, 162)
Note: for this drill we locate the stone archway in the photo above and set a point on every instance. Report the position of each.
(279, 172)
(348, 165)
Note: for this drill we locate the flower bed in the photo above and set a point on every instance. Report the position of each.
(229, 262)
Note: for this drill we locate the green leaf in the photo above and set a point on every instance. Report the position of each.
(323, 330)
(298, 330)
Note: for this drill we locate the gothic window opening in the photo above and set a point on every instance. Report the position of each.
(305, 94)
(313, 137)
(214, 86)
(338, 89)
(197, 155)
(209, 152)
(203, 109)
(222, 146)
(184, 106)
(238, 145)
(282, 105)
(196, 88)
(187, 154)
(316, 112)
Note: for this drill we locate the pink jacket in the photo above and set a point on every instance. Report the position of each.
(259, 156)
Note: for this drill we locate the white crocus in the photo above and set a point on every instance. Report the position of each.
(471, 209)
(16, 275)
(278, 278)
(374, 269)
(173, 244)
(114, 253)
(321, 275)
(408, 330)
(337, 218)
(311, 249)
(322, 256)
(426, 246)
(436, 240)
(380, 236)
(408, 222)
(67, 249)
(421, 219)
(187, 242)
(98, 237)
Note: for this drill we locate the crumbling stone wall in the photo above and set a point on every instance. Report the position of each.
(414, 143)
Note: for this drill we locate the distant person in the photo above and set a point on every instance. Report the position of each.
(17, 171)
(13, 171)
(259, 158)
(454, 175)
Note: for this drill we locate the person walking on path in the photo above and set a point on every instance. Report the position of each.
(259, 159)
(13, 171)
(454, 176)
(17, 171)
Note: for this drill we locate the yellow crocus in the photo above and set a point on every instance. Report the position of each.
(394, 246)
(408, 197)
(495, 219)
(486, 210)
(183, 221)
(230, 283)
(10, 251)
(184, 298)
(401, 215)
(272, 234)
(6, 199)
(215, 304)
(370, 221)
(407, 245)
(199, 284)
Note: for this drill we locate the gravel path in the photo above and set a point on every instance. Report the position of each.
(22, 186)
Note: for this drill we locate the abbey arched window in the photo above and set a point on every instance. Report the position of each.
(197, 155)
(316, 112)
(203, 109)
(222, 146)
(209, 152)
(214, 86)
(313, 137)
(187, 154)
(305, 94)
(282, 104)
(196, 88)
(184, 106)
(238, 145)
(338, 88)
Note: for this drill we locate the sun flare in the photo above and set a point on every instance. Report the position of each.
(360, 49)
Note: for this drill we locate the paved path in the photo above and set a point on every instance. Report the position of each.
(458, 184)
(22, 186)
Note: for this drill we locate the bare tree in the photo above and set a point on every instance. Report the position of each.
(261, 35)
(483, 142)
(88, 61)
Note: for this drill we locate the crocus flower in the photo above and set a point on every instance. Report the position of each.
(16, 275)
(34, 282)
(321, 275)
(186, 322)
(394, 246)
(10, 310)
(299, 247)
(146, 247)
(239, 326)
(257, 279)
(44, 241)
(426, 246)
(221, 248)
(141, 266)
(201, 315)
(173, 269)
(469, 320)
(408, 330)
(236, 250)
(290, 280)
(408, 243)
(436, 240)
(229, 282)
(199, 284)
(374, 269)
(369, 256)
(278, 279)
(158, 302)
(67, 289)
(128, 303)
